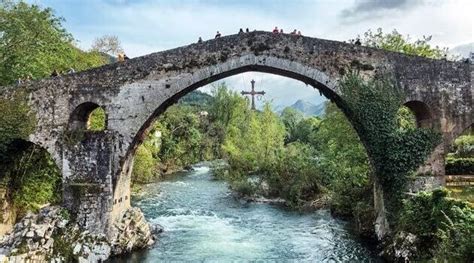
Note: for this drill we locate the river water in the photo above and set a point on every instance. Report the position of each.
(203, 222)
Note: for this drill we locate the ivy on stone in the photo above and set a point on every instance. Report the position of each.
(372, 106)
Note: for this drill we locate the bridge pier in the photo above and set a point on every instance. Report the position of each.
(88, 171)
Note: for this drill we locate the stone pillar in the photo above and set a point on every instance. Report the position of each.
(381, 222)
(431, 174)
(88, 169)
(434, 165)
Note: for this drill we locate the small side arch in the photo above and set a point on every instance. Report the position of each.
(80, 118)
(421, 111)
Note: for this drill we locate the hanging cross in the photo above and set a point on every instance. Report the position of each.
(253, 93)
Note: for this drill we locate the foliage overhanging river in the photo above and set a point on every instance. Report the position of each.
(204, 222)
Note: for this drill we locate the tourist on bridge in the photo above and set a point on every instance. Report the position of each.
(121, 57)
(247, 30)
(200, 40)
(281, 31)
(218, 34)
(299, 33)
(275, 30)
(294, 32)
(241, 31)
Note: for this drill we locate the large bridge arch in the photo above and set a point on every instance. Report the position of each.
(181, 84)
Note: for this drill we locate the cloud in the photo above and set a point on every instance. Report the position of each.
(371, 9)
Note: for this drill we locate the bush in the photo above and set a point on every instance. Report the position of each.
(464, 146)
(459, 166)
(33, 177)
(295, 175)
(444, 226)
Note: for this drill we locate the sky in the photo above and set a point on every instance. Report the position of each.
(147, 26)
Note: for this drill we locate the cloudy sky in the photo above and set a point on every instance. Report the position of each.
(146, 26)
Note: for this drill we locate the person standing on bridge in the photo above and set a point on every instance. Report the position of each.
(120, 57)
(275, 30)
(218, 34)
(241, 31)
(199, 40)
(294, 32)
(247, 30)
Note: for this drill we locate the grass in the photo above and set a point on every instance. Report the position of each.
(465, 193)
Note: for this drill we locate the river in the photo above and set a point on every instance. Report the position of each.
(203, 222)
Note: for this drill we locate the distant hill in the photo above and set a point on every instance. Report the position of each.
(196, 98)
(307, 108)
(463, 50)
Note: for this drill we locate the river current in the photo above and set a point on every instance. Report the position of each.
(204, 222)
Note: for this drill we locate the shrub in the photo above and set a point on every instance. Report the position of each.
(444, 226)
(460, 166)
(464, 146)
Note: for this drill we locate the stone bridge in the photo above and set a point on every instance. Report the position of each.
(96, 166)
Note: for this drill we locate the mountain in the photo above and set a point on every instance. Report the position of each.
(462, 50)
(307, 108)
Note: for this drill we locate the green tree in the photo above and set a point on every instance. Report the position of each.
(33, 43)
(344, 162)
(291, 118)
(395, 41)
(144, 166)
(307, 131)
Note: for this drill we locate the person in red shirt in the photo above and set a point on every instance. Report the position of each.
(275, 30)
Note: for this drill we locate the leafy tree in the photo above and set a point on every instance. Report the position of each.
(307, 130)
(344, 162)
(291, 118)
(143, 166)
(395, 41)
(16, 122)
(33, 43)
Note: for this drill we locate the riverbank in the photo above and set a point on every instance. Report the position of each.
(51, 235)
